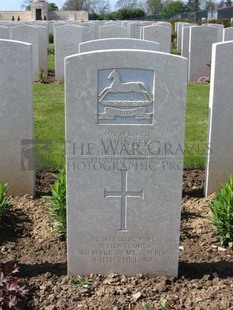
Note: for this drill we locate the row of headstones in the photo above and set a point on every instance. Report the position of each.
(36, 35)
(125, 124)
(195, 43)
(68, 37)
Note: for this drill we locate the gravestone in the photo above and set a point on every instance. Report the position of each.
(125, 119)
(16, 117)
(4, 32)
(228, 34)
(66, 39)
(219, 163)
(180, 25)
(92, 30)
(166, 24)
(159, 34)
(30, 35)
(118, 43)
(112, 31)
(43, 47)
(185, 40)
(200, 47)
(134, 29)
(220, 28)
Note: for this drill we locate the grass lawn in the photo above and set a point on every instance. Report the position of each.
(197, 107)
(49, 120)
(49, 116)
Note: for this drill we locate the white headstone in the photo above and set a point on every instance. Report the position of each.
(160, 34)
(219, 163)
(200, 47)
(67, 39)
(16, 117)
(4, 32)
(180, 25)
(92, 31)
(112, 31)
(228, 34)
(185, 40)
(118, 43)
(133, 29)
(30, 35)
(43, 47)
(220, 28)
(124, 173)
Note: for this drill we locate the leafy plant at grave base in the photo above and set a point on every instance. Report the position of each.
(57, 203)
(12, 289)
(163, 304)
(146, 307)
(42, 78)
(222, 214)
(4, 200)
(51, 50)
(174, 49)
(81, 281)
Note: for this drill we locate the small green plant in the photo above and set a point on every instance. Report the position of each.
(222, 214)
(12, 289)
(146, 307)
(42, 78)
(4, 200)
(57, 203)
(81, 281)
(163, 304)
(51, 50)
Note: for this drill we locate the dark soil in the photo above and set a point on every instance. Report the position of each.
(205, 279)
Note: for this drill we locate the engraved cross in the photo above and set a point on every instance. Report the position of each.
(123, 194)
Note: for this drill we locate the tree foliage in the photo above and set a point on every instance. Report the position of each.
(75, 5)
(100, 7)
(91, 6)
(173, 7)
(52, 6)
(126, 4)
(193, 5)
(154, 6)
(27, 5)
(210, 5)
(125, 14)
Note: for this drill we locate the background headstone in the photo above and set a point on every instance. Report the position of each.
(30, 35)
(112, 31)
(16, 117)
(228, 34)
(66, 39)
(159, 34)
(200, 47)
(219, 163)
(4, 32)
(118, 43)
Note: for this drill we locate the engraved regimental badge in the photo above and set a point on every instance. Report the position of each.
(125, 96)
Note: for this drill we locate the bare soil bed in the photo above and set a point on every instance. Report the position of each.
(205, 278)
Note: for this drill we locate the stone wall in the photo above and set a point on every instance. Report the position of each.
(23, 15)
(68, 15)
(52, 15)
